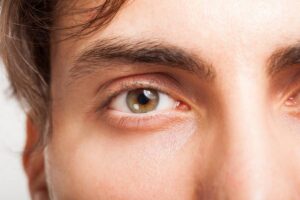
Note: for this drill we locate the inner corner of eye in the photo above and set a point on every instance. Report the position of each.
(182, 106)
(292, 101)
(289, 102)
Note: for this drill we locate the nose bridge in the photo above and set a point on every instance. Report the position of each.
(249, 163)
(245, 110)
(245, 101)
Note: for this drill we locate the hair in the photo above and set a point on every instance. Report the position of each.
(25, 29)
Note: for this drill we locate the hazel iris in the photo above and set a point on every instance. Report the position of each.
(142, 100)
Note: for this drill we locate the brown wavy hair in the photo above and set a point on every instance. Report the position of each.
(25, 28)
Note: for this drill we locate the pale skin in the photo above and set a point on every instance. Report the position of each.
(234, 134)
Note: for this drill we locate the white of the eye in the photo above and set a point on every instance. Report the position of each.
(165, 102)
(120, 104)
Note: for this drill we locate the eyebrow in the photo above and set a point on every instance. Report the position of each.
(104, 53)
(283, 58)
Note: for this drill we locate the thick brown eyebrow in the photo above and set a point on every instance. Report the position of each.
(101, 53)
(284, 58)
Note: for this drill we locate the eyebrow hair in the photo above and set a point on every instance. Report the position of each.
(284, 58)
(103, 52)
(102, 55)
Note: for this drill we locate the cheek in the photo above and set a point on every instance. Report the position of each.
(99, 164)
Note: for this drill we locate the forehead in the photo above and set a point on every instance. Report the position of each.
(227, 30)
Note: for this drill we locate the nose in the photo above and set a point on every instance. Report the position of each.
(247, 161)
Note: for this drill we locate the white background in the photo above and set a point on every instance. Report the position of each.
(13, 184)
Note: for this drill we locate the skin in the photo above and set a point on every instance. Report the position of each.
(235, 136)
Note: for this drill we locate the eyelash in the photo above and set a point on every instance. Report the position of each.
(159, 82)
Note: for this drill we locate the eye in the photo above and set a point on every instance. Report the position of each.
(294, 100)
(292, 104)
(143, 100)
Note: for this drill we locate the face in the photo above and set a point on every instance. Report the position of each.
(178, 100)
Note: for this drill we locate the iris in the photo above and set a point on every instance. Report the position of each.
(142, 100)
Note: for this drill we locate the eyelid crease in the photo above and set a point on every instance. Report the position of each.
(107, 84)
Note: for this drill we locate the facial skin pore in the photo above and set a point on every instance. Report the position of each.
(230, 123)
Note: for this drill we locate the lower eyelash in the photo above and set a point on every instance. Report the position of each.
(125, 122)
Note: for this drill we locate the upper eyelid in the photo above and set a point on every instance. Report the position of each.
(106, 85)
(292, 88)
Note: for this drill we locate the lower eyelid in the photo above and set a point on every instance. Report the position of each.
(149, 121)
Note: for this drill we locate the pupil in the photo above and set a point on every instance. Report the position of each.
(143, 99)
